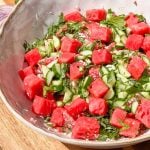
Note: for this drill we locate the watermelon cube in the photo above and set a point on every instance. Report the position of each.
(98, 88)
(73, 16)
(131, 128)
(140, 28)
(42, 106)
(134, 42)
(117, 118)
(57, 118)
(143, 112)
(96, 14)
(86, 128)
(101, 56)
(136, 67)
(76, 70)
(98, 106)
(25, 72)
(131, 19)
(146, 44)
(70, 45)
(33, 56)
(67, 57)
(99, 33)
(33, 85)
(78, 106)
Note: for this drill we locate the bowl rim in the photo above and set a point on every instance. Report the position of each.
(84, 143)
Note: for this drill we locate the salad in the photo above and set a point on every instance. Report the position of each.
(89, 76)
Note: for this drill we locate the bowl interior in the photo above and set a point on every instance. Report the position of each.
(30, 20)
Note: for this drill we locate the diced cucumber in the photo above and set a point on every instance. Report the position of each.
(105, 79)
(123, 71)
(57, 82)
(56, 42)
(122, 95)
(45, 70)
(111, 67)
(57, 69)
(50, 65)
(146, 94)
(45, 90)
(123, 39)
(146, 87)
(123, 79)
(119, 45)
(104, 70)
(68, 95)
(134, 107)
(54, 54)
(120, 104)
(49, 77)
(87, 81)
(88, 61)
(56, 85)
(59, 103)
(111, 80)
(80, 57)
(110, 94)
(86, 53)
(120, 32)
(117, 38)
(146, 60)
(120, 86)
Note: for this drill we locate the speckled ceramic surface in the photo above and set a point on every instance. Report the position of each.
(30, 20)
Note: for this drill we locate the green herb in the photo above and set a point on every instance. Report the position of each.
(55, 27)
(115, 22)
(141, 18)
(107, 131)
(73, 27)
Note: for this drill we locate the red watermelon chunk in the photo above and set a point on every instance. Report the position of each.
(99, 33)
(25, 72)
(67, 57)
(131, 128)
(143, 113)
(76, 70)
(43, 106)
(57, 118)
(86, 128)
(131, 19)
(136, 67)
(117, 118)
(70, 45)
(33, 85)
(78, 106)
(134, 42)
(98, 88)
(140, 28)
(74, 16)
(96, 14)
(98, 106)
(94, 73)
(146, 44)
(101, 56)
(32, 57)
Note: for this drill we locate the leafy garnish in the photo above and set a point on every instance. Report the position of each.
(55, 27)
(115, 22)
(141, 18)
(107, 131)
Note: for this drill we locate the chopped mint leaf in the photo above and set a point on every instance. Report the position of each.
(141, 18)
